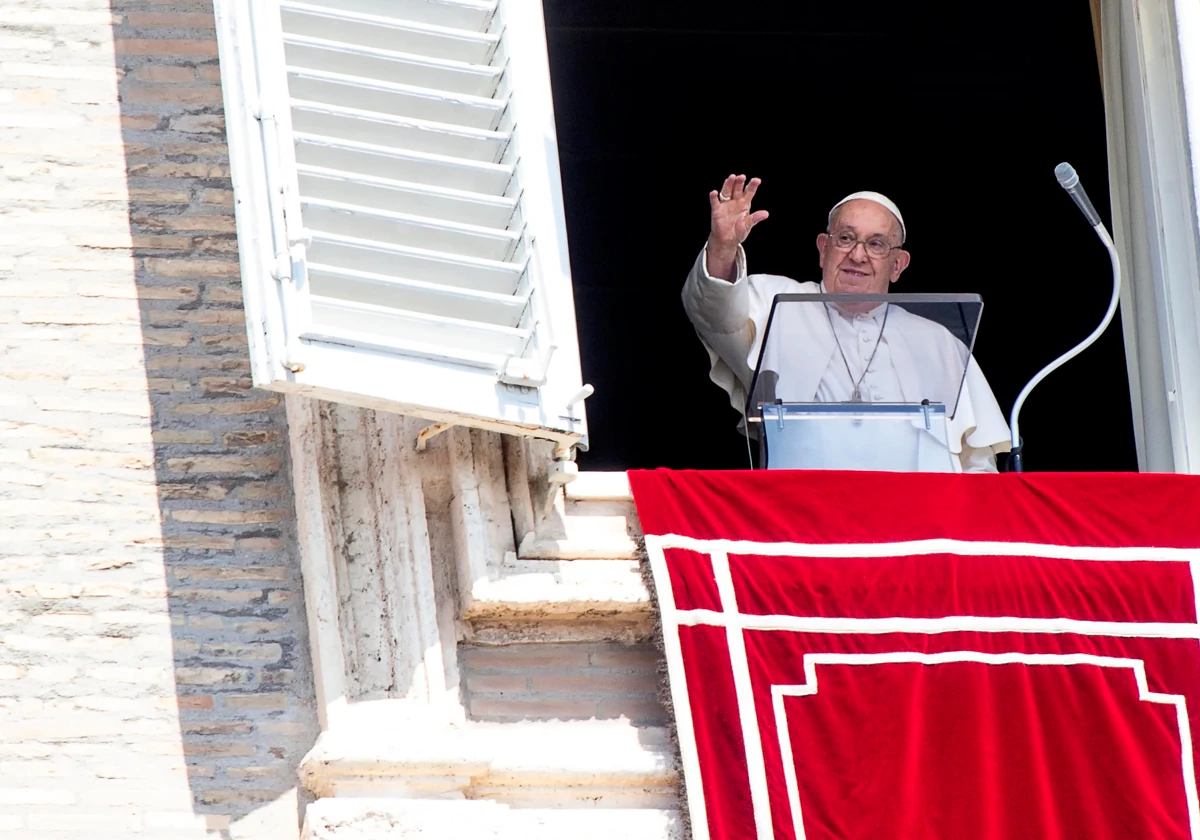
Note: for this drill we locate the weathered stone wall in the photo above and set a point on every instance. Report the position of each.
(153, 661)
(562, 681)
(155, 676)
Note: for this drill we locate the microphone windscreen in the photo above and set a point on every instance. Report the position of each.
(1066, 175)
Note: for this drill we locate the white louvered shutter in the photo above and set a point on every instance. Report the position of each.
(399, 208)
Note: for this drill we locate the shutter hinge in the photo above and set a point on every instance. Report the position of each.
(283, 268)
(527, 373)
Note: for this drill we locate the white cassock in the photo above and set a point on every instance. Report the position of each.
(914, 359)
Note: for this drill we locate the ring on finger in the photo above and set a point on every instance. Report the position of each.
(722, 197)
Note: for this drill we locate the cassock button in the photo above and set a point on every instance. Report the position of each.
(865, 338)
(877, 397)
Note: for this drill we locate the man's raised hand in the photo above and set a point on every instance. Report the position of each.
(732, 222)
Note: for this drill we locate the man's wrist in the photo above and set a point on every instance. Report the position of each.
(721, 261)
(722, 250)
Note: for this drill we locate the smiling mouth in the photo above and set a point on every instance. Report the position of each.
(854, 273)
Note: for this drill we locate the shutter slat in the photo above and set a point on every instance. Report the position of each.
(401, 161)
(389, 65)
(403, 165)
(413, 295)
(405, 132)
(389, 344)
(407, 197)
(417, 231)
(416, 263)
(395, 99)
(386, 324)
(403, 103)
(460, 14)
(387, 33)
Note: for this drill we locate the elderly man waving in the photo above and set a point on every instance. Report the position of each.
(861, 252)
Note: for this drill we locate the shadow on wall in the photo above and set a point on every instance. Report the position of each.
(242, 673)
(602, 681)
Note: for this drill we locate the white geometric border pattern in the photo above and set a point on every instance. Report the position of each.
(736, 623)
(812, 660)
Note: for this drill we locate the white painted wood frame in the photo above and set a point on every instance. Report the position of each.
(399, 208)
(1151, 69)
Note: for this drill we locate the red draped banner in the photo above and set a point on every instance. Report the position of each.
(868, 656)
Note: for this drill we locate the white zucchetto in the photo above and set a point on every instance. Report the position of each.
(880, 199)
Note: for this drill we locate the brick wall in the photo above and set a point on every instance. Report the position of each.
(563, 681)
(153, 663)
(154, 672)
(235, 594)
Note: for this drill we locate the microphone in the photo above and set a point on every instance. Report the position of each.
(1068, 179)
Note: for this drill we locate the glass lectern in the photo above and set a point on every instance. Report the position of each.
(861, 382)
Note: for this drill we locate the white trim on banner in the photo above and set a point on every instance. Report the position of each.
(756, 765)
(809, 688)
(680, 700)
(737, 623)
(947, 624)
(912, 548)
(1195, 569)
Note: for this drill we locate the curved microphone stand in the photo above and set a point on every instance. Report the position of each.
(1069, 182)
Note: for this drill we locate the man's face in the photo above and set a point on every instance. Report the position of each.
(855, 271)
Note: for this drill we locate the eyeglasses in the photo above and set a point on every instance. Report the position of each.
(877, 246)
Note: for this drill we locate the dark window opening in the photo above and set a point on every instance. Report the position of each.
(959, 112)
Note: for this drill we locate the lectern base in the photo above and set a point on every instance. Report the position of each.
(850, 436)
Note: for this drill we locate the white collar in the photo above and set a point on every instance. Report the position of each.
(875, 313)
